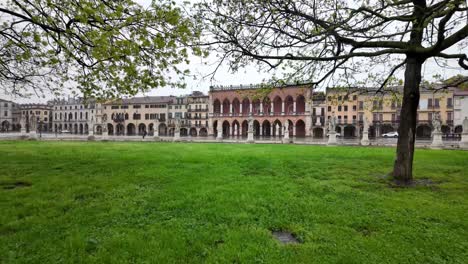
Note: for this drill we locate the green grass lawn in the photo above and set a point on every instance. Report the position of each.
(218, 203)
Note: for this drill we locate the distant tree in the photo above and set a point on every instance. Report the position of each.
(335, 40)
(106, 48)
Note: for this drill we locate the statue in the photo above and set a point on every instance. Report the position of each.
(250, 130)
(286, 127)
(365, 133)
(23, 121)
(465, 125)
(277, 129)
(286, 139)
(332, 123)
(436, 123)
(32, 123)
(177, 125)
(250, 121)
(366, 124)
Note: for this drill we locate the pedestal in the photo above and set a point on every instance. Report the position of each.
(464, 141)
(437, 140)
(23, 132)
(250, 137)
(286, 138)
(91, 135)
(176, 137)
(32, 135)
(219, 137)
(331, 138)
(365, 139)
(105, 135)
(156, 135)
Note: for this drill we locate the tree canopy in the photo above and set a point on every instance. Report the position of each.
(105, 48)
(338, 40)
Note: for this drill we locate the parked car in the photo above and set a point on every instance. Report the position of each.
(390, 134)
(66, 131)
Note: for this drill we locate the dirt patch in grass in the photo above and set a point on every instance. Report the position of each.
(15, 185)
(423, 182)
(285, 237)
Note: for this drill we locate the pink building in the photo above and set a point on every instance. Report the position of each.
(230, 108)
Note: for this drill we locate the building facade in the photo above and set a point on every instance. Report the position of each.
(383, 112)
(74, 115)
(344, 105)
(136, 115)
(230, 108)
(177, 112)
(460, 109)
(197, 114)
(9, 118)
(42, 113)
(225, 111)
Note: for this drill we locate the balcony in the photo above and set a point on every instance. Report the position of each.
(257, 114)
(198, 110)
(197, 117)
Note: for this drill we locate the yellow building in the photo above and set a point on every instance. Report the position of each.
(383, 111)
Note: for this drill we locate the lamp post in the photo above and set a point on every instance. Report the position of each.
(40, 128)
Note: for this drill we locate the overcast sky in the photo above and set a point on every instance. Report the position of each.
(245, 76)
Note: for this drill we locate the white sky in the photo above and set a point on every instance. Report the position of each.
(250, 75)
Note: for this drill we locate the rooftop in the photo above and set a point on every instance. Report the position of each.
(144, 100)
(252, 86)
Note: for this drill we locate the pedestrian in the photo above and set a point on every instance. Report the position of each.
(144, 134)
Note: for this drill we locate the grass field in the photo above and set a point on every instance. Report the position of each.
(218, 203)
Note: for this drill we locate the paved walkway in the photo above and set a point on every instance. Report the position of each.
(448, 144)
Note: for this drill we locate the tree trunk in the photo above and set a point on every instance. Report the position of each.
(403, 168)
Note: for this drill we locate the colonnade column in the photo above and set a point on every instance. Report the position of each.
(294, 107)
(272, 109)
(282, 107)
(222, 108)
(261, 107)
(294, 131)
(230, 109)
(271, 130)
(240, 108)
(250, 108)
(261, 130)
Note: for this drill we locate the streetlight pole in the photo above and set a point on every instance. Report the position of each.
(40, 128)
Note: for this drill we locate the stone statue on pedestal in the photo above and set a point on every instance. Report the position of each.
(177, 130)
(32, 123)
(365, 132)
(366, 124)
(436, 134)
(332, 130)
(23, 124)
(286, 138)
(250, 122)
(464, 136)
(436, 123)
(250, 129)
(156, 130)
(332, 123)
(177, 125)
